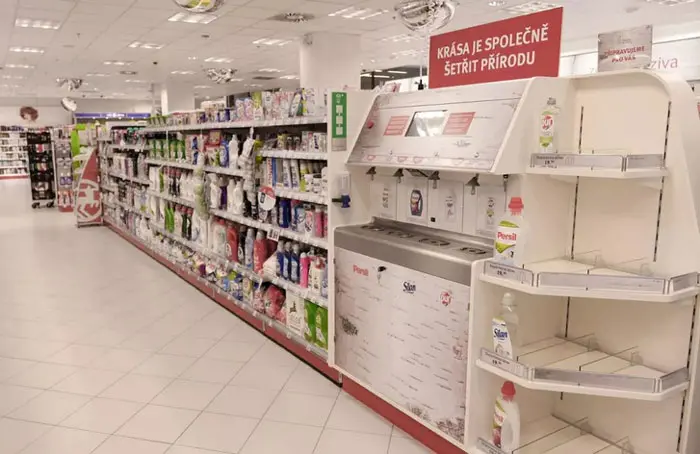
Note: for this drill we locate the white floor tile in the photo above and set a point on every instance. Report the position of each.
(188, 394)
(123, 445)
(121, 360)
(233, 351)
(106, 337)
(188, 346)
(349, 414)
(263, 376)
(50, 407)
(400, 445)
(36, 350)
(10, 367)
(218, 432)
(300, 409)
(240, 401)
(77, 355)
(137, 388)
(344, 442)
(273, 354)
(147, 341)
(212, 371)
(88, 381)
(102, 415)
(245, 333)
(42, 375)
(306, 380)
(272, 437)
(170, 366)
(16, 435)
(188, 450)
(13, 397)
(164, 424)
(62, 440)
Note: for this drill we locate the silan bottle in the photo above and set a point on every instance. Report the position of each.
(504, 327)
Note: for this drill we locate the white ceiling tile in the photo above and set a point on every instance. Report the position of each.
(101, 9)
(42, 13)
(57, 5)
(255, 13)
(32, 37)
(233, 20)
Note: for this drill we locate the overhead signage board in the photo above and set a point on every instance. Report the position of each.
(625, 49)
(517, 48)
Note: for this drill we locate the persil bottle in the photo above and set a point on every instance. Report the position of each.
(510, 235)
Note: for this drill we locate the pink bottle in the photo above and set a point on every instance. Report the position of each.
(318, 223)
(259, 252)
(305, 264)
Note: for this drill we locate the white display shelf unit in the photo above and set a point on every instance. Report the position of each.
(129, 147)
(170, 198)
(230, 171)
(165, 163)
(288, 154)
(598, 164)
(319, 199)
(132, 209)
(122, 176)
(239, 124)
(561, 277)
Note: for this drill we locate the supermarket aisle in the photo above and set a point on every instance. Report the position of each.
(102, 350)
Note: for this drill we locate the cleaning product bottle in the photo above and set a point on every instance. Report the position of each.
(504, 327)
(324, 278)
(242, 235)
(506, 420)
(303, 171)
(304, 263)
(259, 251)
(238, 201)
(280, 258)
(232, 242)
(230, 194)
(295, 268)
(287, 264)
(190, 213)
(510, 235)
(316, 275)
(548, 123)
(249, 248)
(177, 224)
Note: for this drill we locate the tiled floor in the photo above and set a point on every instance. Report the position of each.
(102, 350)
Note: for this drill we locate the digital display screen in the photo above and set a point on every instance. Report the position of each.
(427, 124)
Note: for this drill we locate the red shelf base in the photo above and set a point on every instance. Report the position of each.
(270, 331)
(13, 177)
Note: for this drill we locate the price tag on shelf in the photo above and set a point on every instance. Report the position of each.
(509, 273)
(505, 364)
(487, 447)
(273, 234)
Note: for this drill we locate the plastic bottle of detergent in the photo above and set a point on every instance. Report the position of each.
(511, 235)
(506, 420)
(504, 327)
(259, 251)
(249, 248)
(232, 242)
(548, 123)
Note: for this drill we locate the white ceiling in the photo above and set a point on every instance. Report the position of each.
(93, 31)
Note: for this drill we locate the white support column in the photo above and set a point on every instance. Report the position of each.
(176, 97)
(330, 60)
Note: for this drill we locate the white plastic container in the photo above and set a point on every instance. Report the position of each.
(511, 235)
(548, 124)
(504, 329)
(506, 420)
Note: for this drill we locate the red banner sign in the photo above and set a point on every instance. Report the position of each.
(88, 206)
(517, 48)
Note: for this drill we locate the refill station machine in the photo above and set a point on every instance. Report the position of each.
(607, 280)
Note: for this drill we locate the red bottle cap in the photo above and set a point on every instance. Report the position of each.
(508, 390)
(516, 204)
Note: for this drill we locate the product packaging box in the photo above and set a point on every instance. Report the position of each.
(321, 325)
(310, 321)
(295, 313)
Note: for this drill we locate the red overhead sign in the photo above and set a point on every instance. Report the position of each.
(517, 48)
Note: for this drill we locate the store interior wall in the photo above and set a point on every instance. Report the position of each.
(51, 113)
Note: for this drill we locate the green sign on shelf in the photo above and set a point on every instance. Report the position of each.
(339, 121)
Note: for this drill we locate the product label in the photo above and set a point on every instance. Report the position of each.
(506, 238)
(502, 344)
(499, 417)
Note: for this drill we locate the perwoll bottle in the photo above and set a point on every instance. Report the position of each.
(504, 327)
(506, 420)
(548, 121)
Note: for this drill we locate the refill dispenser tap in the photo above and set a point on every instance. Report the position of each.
(344, 199)
(434, 177)
(398, 175)
(371, 172)
(474, 183)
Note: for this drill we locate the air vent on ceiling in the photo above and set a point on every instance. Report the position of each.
(295, 18)
(262, 78)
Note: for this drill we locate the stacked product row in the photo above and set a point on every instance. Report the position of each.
(13, 152)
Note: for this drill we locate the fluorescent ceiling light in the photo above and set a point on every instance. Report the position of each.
(7, 76)
(192, 58)
(269, 70)
(530, 7)
(201, 87)
(18, 66)
(182, 73)
(397, 72)
(497, 3)
(358, 13)
(149, 46)
(191, 18)
(96, 75)
(253, 85)
(218, 60)
(670, 2)
(290, 77)
(376, 76)
(399, 38)
(128, 73)
(118, 63)
(37, 23)
(118, 94)
(272, 42)
(27, 50)
(136, 81)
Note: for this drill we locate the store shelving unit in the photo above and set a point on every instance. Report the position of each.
(41, 168)
(13, 153)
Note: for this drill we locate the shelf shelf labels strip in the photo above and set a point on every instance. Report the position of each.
(683, 282)
(597, 380)
(644, 161)
(339, 121)
(562, 161)
(603, 282)
(505, 364)
(487, 447)
(509, 273)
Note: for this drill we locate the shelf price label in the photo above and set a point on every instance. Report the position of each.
(339, 121)
(487, 447)
(505, 364)
(510, 273)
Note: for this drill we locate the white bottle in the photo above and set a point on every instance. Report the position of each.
(249, 248)
(548, 123)
(504, 328)
(506, 420)
(510, 235)
(238, 199)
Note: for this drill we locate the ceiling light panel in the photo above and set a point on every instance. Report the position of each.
(27, 50)
(149, 46)
(397, 72)
(530, 7)
(37, 23)
(136, 81)
(7, 76)
(193, 18)
(271, 42)
(270, 70)
(182, 73)
(290, 77)
(201, 87)
(18, 66)
(96, 75)
(400, 38)
(118, 63)
(671, 2)
(358, 13)
(218, 60)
